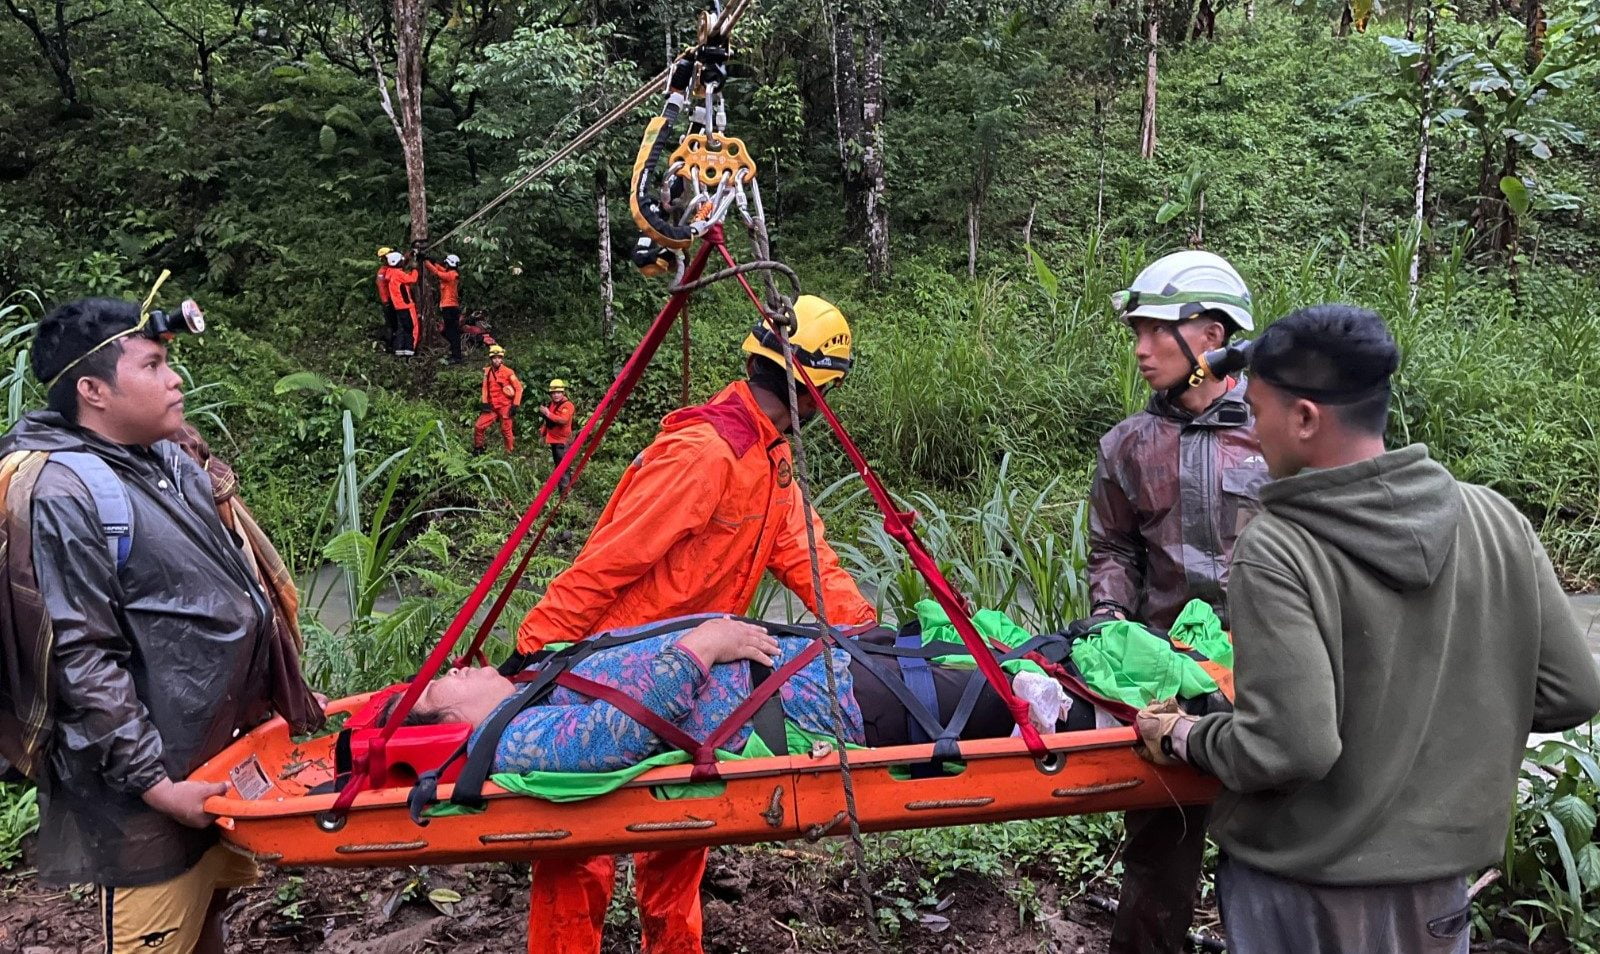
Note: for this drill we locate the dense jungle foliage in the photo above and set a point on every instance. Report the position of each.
(974, 237)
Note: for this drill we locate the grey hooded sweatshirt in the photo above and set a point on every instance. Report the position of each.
(1397, 636)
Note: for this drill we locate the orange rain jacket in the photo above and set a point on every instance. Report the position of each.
(402, 288)
(495, 384)
(449, 284)
(559, 432)
(697, 519)
(383, 283)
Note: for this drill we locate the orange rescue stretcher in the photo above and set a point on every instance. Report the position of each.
(280, 803)
(268, 812)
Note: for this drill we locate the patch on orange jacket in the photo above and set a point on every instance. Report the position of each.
(730, 419)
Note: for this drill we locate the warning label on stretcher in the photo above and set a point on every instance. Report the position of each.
(249, 779)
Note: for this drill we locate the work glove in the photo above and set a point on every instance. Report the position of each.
(483, 407)
(1156, 724)
(513, 412)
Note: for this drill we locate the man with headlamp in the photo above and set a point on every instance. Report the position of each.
(137, 634)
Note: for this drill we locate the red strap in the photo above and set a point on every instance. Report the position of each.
(632, 708)
(703, 753)
(760, 694)
(898, 524)
(616, 395)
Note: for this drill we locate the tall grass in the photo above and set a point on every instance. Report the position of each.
(1020, 550)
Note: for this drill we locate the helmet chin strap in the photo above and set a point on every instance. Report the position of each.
(1198, 371)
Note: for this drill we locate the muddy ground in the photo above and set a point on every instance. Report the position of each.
(758, 900)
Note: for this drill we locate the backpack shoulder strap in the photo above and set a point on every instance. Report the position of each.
(110, 500)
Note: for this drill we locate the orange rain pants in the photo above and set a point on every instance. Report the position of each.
(501, 394)
(697, 519)
(567, 909)
(480, 429)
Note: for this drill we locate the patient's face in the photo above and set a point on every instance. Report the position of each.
(464, 692)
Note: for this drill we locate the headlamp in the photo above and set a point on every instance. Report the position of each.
(153, 324)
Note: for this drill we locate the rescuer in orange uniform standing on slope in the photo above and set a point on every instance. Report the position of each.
(500, 398)
(557, 426)
(384, 300)
(697, 519)
(449, 276)
(403, 298)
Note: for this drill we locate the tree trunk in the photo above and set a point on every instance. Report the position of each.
(1100, 138)
(1147, 110)
(972, 239)
(54, 44)
(208, 83)
(847, 111)
(1205, 21)
(1419, 192)
(1346, 18)
(1533, 20)
(60, 57)
(872, 153)
(1507, 229)
(410, 17)
(1249, 11)
(1027, 227)
(602, 218)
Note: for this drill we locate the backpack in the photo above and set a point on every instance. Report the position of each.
(110, 500)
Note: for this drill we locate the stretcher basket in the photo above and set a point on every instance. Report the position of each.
(269, 812)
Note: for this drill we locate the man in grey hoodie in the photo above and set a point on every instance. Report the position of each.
(1398, 636)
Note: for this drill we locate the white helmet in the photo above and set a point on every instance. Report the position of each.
(394, 258)
(1184, 284)
(452, 260)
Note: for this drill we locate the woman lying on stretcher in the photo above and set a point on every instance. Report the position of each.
(693, 678)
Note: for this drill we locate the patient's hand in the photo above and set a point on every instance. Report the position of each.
(725, 640)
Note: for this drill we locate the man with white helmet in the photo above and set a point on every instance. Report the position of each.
(402, 284)
(449, 276)
(1173, 486)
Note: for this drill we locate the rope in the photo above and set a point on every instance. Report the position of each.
(760, 265)
(589, 135)
(858, 848)
(651, 88)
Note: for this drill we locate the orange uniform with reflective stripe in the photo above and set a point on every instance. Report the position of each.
(698, 517)
(559, 432)
(449, 284)
(383, 284)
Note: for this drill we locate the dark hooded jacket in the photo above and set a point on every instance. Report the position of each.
(1397, 636)
(154, 666)
(1171, 492)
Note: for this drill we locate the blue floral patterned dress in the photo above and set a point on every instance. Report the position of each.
(570, 732)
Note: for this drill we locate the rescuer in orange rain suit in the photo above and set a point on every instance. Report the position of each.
(402, 296)
(449, 277)
(697, 519)
(499, 400)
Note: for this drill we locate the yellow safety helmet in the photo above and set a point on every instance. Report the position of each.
(497, 351)
(821, 341)
(384, 251)
(558, 385)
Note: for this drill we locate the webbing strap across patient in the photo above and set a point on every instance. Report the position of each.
(537, 683)
(944, 735)
(704, 753)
